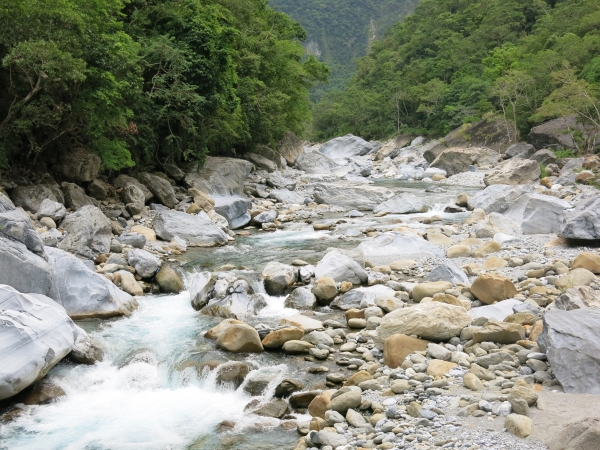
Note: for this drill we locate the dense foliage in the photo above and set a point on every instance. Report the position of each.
(340, 31)
(149, 80)
(456, 61)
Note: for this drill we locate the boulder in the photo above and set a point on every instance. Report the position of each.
(498, 311)
(497, 223)
(200, 288)
(16, 225)
(347, 398)
(78, 164)
(315, 163)
(84, 293)
(88, 232)
(345, 147)
(276, 339)
(160, 188)
(234, 209)
(271, 155)
(544, 157)
(169, 281)
(145, 263)
(341, 268)
(277, 277)
(398, 245)
(240, 338)
(235, 305)
(362, 297)
(571, 342)
(129, 284)
(556, 133)
(498, 197)
(31, 197)
(85, 351)
(265, 217)
(325, 290)
(520, 150)
(422, 290)
(220, 176)
(578, 298)
(133, 197)
(448, 271)
(123, 180)
(458, 159)
(583, 222)
(278, 181)
(472, 382)
(576, 277)
(433, 321)
(501, 332)
(22, 269)
(260, 162)
(287, 196)
(54, 210)
(490, 288)
(196, 230)
(538, 214)
(587, 260)
(398, 346)
(569, 171)
(401, 204)
(362, 198)
(35, 334)
(290, 147)
(514, 171)
(438, 368)
(75, 197)
(303, 322)
(518, 425)
(301, 298)
(582, 434)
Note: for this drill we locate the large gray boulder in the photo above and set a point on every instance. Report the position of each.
(31, 197)
(345, 147)
(236, 305)
(520, 150)
(569, 171)
(133, 197)
(571, 341)
(35, 334)
(544, 157)
(497, 223)
(341, 268)
(514, 171)
(277, 277)
(457, 160)
(84, 293)
(315, 163)
(583, 222)
(362, 297)
(75, 196)
(123, 180)
(16, 225)
(391, 246)
(196, 230)
(49, 208)
(78, 164)
(538, 213)
(498, 197)
(22, 269)
(145, 263)
(161, 188)
(579, 297)
(362, 198)
(234, 209)
(261, 162)
(220, 176)
(556, 133)
(401, 204)
(287, 196)
(88, 232)
(448, 271)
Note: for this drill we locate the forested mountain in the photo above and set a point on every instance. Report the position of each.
(454, 62)
(148, 80)
(339, 31)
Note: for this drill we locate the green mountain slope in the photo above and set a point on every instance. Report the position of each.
(339, 31)
(454, 62)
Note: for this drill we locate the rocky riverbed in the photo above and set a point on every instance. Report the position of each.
(350, 295)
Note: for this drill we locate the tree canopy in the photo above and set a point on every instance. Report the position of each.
(457, 61)
(149, 80)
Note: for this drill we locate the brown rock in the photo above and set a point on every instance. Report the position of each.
(318, 406)
(422, 290)
(358, 378)
(240, 338)
(325, 289)
(169, 280)
(501, 332)
(215, 332)
(472, 382)
(459, 251)
(518, 425)
(495, 262)
(354, 314)
(438, 368)
(487, 249)
(490, 288)
(276, 339)
(587, 260)
(522, 318)
(546, 182)
(398, 346)
(148, 233)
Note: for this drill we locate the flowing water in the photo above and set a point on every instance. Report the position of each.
(147, 394)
